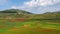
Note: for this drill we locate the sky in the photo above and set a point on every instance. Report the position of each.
(33, 6)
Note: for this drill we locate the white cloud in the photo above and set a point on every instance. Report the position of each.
(14, 7)
(30, 3)
(45, 2)
(3, 2)
(41, 2)
(35, 3)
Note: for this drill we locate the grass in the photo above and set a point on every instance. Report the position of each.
(30, 27)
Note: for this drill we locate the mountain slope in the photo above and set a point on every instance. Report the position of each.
(15, 11)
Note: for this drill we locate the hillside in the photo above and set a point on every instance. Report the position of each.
(48, 15)
(15, 13)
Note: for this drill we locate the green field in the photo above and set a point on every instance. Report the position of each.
(30, 27)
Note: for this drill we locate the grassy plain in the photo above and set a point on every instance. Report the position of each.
(13, 26)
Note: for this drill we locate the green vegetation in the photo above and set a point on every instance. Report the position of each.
(30, 27)
(16, 21)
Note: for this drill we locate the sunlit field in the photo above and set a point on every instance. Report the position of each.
(21, 26)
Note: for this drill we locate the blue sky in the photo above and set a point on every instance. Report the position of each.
(33, 6)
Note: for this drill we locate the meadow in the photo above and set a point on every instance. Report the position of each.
(21, 26)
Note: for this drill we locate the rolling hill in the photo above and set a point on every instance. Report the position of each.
(16, 13)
